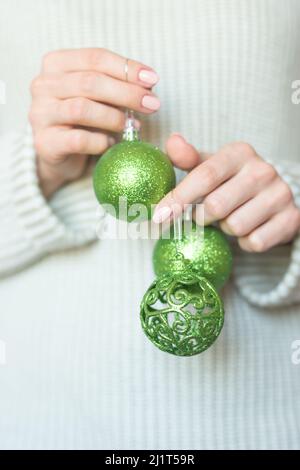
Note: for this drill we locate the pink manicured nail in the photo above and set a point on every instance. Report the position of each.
(161, 214)
(111, 141)
(256, 241)
(177, 134)
(151, 102)
(148, 76)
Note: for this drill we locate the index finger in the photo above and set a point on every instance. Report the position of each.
(197, 184)
(99, 60)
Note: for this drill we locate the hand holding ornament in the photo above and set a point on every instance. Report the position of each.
(78, 103)
(238, 188)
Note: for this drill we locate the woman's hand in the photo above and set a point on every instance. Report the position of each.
(237, 188)
(78, 103)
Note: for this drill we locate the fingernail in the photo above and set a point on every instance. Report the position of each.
(257, 242)
(161, 214)
(148, 76)
(111, 141)
(208, 219)
(177, 134)
(151, 102)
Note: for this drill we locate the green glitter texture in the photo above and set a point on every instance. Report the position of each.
(210, 257)
(134, 170)
(182, 314)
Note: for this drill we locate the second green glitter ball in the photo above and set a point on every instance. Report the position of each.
(211, 256)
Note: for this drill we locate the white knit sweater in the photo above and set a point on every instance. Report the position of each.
(79, 372)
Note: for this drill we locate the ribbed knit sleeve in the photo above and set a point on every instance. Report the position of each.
(273, 278)
(30, 226)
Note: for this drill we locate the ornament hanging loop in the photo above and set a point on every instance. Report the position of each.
(131, 132)
(179, 235)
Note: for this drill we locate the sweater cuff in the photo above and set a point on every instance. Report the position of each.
(68, 220)
(273, 278)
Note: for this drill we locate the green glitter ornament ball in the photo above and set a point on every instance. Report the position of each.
(138, 173)
(182, 314)
(210, 257)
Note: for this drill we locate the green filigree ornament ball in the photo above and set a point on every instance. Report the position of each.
(182, 313)
(210, 256)
(132, 176)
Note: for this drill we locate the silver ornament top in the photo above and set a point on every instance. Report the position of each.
(130, 132)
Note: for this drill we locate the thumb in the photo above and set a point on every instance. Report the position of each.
(182, 154)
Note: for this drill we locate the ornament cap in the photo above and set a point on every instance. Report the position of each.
(131, 132)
